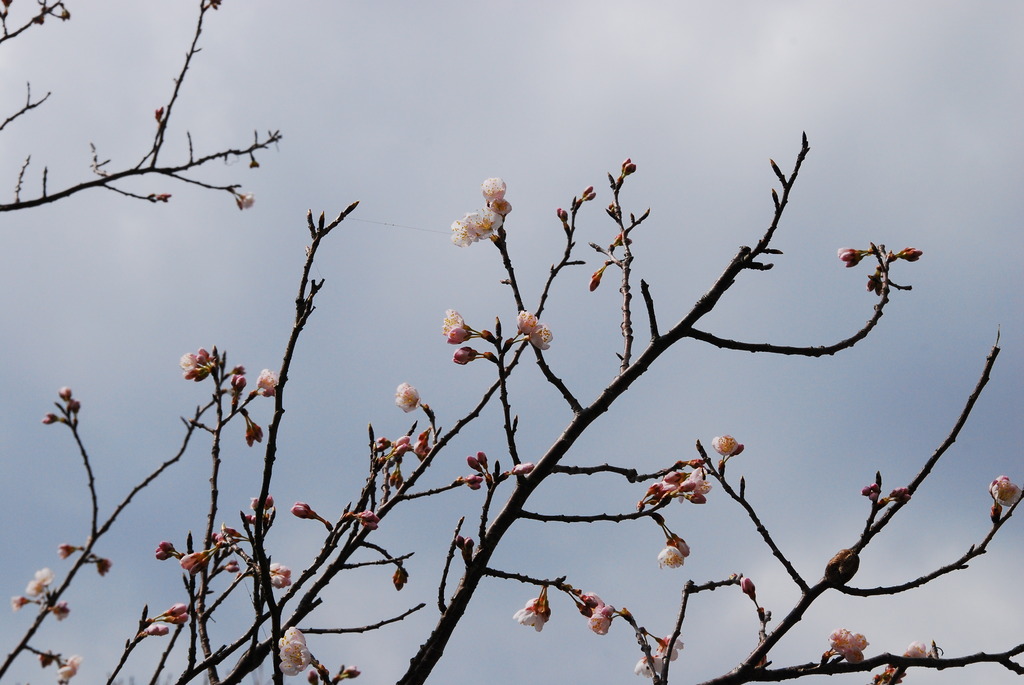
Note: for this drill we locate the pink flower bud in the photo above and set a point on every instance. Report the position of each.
(628, 167)
(850, 256)
(51, 418)
(65, 393)
(871, 491)
(522, 469)
(588, 193)
(231, 566)
(901, 495)
(194, 562)
(465, 355)
(156, 629)
(562, 215)
(165, 550)
(473, 463)
(747, 586)
(368, 519)
(303, 511)
(238, 383)
(65, 550)
(473, 481)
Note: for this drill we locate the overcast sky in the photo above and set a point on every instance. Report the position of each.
(913, 112)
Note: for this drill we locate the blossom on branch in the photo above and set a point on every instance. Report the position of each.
(536, 613)
(645, 668)
(848, 645)
(39, 583)
(675, 553)
(726, 445)
(280, 575)
(69, 669)
(197, 366)
(266, 383)
(407, 398)
(295, 657)
(1004, 492)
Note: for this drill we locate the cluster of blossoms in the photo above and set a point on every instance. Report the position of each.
(456, 331)
(599, 615)
(36, 589)
(484, 222)
(690, 486)
(198, 366)
(848, 645)
(648, 667)
(538, 334)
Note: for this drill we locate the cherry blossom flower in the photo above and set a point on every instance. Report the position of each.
(69, 669)
(266, 383)
(541, 337)
(156, 630)
(601, 619)
(245, 200)
(536, 612)
(493, 189)
(66, 550)
(18, 602)
(726, 445)
(675, 553)
(849, 645)
(502, 207)
(453, 328)
(280, 575)
(526, 322)
(916, 650)
(39, 583)
(407, 398)
(646, 669)
(670, 557)
(295, 657)
(1004, 492)
(197, 366)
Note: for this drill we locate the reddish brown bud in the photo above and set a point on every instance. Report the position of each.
(842, 567)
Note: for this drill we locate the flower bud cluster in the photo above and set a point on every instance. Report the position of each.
(690, 486)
